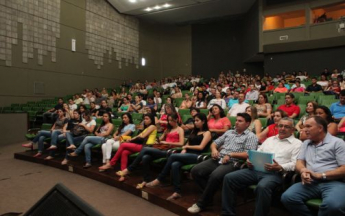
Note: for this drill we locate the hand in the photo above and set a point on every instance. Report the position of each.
(183, 151)
(249, 164)
(163, 142)
(305, 177)
(316, 176)
(225, 159)
(116, 138)
(215, 154)
(273, 167)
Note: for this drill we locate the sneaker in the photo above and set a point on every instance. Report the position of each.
(194, 209)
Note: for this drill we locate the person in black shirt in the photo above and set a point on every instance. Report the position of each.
(103, 109)
(93, 109)
(52, 113)
(314, 87)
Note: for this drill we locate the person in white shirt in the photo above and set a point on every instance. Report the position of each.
(253, 94)
(323, 82)
(240, 107)
(72, 106)
(218, 100)
(78, 99)
(286, 149)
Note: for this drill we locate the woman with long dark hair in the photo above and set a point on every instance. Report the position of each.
(172, 137)
(163, 120)
(325, 113)
(197, 142)
(200, 101)
(103, 132)
(217, 121)
(148, 137)
(126, 128)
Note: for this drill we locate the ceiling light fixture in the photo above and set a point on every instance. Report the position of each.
(158, 7)
(133, 1)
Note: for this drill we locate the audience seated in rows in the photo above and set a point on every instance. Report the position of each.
(102, 133)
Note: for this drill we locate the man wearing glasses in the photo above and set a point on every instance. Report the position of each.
(285, 148)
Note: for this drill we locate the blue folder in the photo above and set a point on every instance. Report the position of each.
(258, 159)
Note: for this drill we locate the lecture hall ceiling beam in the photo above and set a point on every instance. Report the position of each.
(182, 11)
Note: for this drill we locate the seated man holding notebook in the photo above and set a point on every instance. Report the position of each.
(284, 149)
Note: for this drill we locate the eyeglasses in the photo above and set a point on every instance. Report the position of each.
(284, 126)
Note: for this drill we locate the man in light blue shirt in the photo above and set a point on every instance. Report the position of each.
(321, 163)
(338, 108)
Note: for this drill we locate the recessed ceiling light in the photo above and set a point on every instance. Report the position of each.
(157, 7)
(148, 9)
(132, 1)
(166, 5)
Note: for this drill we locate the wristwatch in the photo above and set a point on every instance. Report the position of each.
(324, 177)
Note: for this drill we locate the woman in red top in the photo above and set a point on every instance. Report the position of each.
(217, 121)
(272, 130)
(172, 137)
(162, 123)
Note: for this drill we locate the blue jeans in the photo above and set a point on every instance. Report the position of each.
(71, 140)
(237, 180)
(147, 154)
(175, 162)
(332, 194)
(87, 144)
(39, 139)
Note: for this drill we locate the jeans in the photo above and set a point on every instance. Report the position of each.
(40, 137)
(332, 194)
(123, 152)
(70, 140)
(175, 162)
(87, 144)
(147, 155)
(209, 176)
(234, 181)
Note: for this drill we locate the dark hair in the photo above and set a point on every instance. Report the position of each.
(328, 113)
(265, 97)
(123, 124)
(173, 116)
(221, 110)
(342, 92)
(152, 118)
(196, 130)
(291, 95)
(171, 99)
(194, 108)
(282, 113)
(314, 78)
(320, 121)
(103, 123)
(246, 116)
(83, 107)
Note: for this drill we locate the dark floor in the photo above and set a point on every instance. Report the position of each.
(156, 196)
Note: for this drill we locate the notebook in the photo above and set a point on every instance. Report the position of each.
(258, 159)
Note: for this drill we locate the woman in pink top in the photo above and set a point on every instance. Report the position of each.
(281, 88)
(172, 137)
(217, 122)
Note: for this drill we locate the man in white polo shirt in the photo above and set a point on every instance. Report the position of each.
(240, 107)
